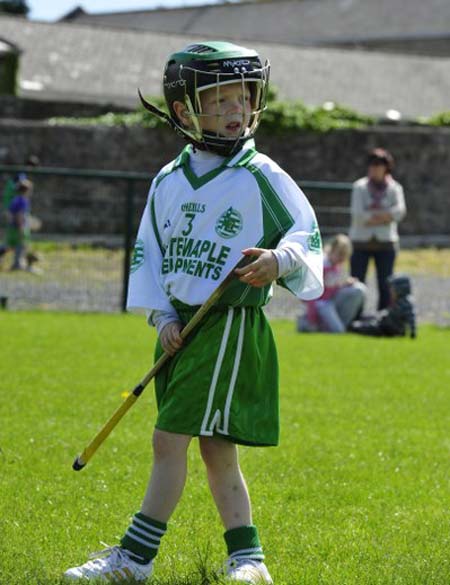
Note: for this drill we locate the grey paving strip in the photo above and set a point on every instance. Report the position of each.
(55, 292)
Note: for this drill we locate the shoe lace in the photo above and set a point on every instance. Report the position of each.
(115, 553)
(236, 562)
(229, 564)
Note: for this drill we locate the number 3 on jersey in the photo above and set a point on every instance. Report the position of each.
(190, 218)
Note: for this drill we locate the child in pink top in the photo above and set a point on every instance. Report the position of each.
(343, 296)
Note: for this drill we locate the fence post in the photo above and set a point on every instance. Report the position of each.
(128, 235)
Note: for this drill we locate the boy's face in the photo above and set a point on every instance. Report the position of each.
(24, 189)
(227, 109)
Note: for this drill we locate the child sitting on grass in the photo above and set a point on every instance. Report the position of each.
(343, 296)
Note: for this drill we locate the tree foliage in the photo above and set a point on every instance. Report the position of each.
(18, 7)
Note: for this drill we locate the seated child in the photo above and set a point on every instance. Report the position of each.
(397, 318)
(343, 297)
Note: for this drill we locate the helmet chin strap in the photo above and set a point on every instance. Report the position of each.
(157, 112)
(166, 118)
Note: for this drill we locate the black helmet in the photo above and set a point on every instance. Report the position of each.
(211, 64)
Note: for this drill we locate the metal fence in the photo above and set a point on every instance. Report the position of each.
(89, 222)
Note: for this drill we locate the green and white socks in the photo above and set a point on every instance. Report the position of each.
(143, 537)
(243, 544)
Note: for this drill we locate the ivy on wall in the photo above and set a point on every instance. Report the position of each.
(442, 119)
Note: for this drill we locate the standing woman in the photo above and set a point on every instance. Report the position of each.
(377, 205)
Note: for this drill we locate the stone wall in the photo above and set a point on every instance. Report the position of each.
(80, 206)
(32, 109)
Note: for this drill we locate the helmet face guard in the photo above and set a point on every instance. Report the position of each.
(210, 65)
(256, 82)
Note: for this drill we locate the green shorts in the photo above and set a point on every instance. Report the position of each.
(224, 381)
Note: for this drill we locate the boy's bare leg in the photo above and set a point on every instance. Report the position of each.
(168, 474)
(226, 481)
(140, 543)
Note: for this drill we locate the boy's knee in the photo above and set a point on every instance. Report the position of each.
(208, 451)
(217, 453)
(167, 445)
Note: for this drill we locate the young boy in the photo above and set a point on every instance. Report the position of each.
(18, 229)
(219, 200)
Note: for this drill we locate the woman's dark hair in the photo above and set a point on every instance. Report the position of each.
(380, 156)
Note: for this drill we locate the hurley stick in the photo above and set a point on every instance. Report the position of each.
(104, 432)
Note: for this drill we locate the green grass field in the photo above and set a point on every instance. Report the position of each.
(356, 494)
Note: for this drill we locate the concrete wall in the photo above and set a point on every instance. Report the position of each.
(429, 47)
(75, 206)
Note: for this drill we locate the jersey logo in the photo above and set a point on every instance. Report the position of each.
(314, 240)
(193, 207)
(229, 223)
(138, 256)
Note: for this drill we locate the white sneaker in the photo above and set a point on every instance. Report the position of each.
(111, 564)
(248, 571)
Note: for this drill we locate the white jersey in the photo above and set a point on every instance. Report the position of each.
(193, 231)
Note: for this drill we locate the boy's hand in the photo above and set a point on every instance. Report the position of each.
(170, 337)
(262, 271)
